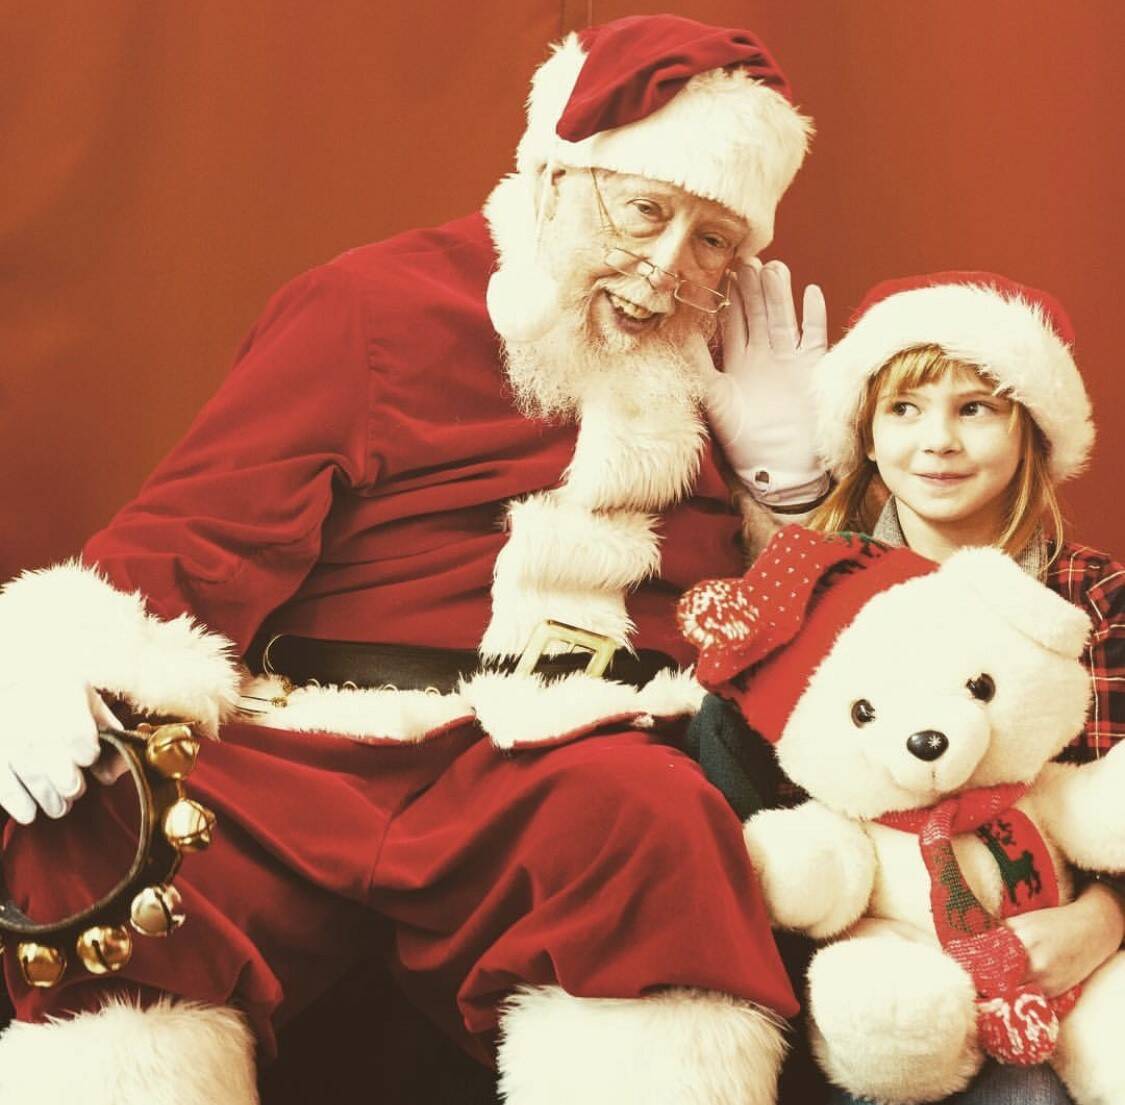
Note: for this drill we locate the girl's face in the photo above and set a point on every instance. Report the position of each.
(947, 451)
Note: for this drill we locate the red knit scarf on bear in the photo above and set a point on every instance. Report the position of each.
(1016, 1023)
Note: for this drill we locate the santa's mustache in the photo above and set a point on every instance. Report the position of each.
(552, 375)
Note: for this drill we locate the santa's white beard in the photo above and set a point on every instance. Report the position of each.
(552, 376)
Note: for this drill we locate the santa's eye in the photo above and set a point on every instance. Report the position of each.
(862, 712)
(982, 687)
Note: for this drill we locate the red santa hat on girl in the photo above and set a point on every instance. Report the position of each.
(1018, 336)
(705, 108)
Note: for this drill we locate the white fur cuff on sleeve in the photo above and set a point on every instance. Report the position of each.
(68, 622)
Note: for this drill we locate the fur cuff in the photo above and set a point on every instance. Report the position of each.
(168, 1054)
(667, 1049)
(69, 622)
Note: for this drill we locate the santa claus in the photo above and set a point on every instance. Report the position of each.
(414, 567)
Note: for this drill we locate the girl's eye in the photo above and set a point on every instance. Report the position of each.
(901, 407)
(975, 408)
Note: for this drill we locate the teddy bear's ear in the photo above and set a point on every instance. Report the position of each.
(1004, 587)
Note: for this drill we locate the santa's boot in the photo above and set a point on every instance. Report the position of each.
(681, 1047)
(167, 1054)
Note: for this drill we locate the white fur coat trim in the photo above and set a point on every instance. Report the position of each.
(677, 1047)
(367, 714)
(1009, 338)
(639, 459)
(70, 622)
(558, 543)
(723, 136)
(519, 710)
(515, 710)
(573, 552)
(167, 1054)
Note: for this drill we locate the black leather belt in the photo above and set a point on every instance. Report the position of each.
(419, 668)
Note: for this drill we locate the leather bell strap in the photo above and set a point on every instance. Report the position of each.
(158, 759)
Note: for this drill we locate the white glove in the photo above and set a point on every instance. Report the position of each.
(48, 734)
(761, 406)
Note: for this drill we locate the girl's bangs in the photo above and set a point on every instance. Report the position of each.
(925, 364)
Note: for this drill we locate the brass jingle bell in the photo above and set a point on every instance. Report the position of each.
(41, 965)
(171, 750)
(157, 910)
(104, 949)
(188, 825)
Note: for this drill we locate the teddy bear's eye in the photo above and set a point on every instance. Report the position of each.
(862, 712)
(982, 687)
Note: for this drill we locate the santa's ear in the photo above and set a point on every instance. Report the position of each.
(547, 192)
(1005, 588)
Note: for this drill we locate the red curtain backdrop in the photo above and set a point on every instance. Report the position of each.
(168, 165)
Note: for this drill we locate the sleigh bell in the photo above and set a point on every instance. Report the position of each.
(157, 910)
(104, 949)
(41, 965)
(172, 750)
(188, 826)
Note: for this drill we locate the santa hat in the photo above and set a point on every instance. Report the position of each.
(705, 108)
(1019, 336)
(784, 615)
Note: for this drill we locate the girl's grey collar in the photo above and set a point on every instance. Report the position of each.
(1032, 560)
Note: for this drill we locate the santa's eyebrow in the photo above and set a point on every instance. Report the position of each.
(632, 187)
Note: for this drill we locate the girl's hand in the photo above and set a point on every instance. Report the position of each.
(1065, 945)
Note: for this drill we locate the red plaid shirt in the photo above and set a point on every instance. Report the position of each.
(1096, 583)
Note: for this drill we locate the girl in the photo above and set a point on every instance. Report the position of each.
(948, 413)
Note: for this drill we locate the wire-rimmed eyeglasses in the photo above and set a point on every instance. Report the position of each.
(688, 292)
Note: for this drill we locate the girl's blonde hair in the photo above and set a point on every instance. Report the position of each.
(855, 501)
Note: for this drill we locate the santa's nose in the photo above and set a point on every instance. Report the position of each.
(927, 744)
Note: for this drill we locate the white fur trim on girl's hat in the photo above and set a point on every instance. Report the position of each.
(663, 97)
(1019, 336)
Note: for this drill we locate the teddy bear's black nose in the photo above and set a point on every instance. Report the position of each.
(928, 744)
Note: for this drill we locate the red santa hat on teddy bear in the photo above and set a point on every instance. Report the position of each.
(1016, 335)
(660, 96)
(784, 615)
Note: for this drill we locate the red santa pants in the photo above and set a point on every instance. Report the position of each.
(607, 866)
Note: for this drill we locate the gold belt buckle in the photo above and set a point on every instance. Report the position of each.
(550, 632)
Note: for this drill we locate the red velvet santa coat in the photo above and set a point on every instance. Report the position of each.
(352, 480)
(353, 472)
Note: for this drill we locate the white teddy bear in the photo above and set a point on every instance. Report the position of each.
(920, 708)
